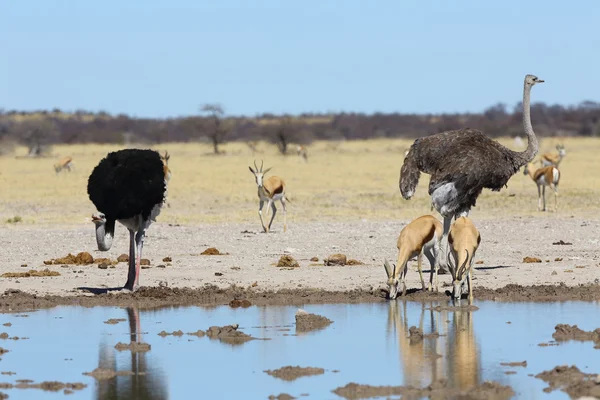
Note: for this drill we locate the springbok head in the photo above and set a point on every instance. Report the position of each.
(561, 150)
(392, 280)
(259, 173)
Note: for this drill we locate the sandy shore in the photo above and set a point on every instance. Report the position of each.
(251, 256)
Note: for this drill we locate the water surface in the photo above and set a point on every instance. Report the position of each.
(367, 344)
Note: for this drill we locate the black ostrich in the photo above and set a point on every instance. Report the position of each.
(128, 186)
(462, 163)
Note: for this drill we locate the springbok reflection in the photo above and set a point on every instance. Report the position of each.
(145, 383)
(453, 355)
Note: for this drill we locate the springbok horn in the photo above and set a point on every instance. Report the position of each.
(388, 268)
(261, 165)
(255, 167)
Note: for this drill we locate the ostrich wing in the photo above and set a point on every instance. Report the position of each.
(472, 161)
(126, 183)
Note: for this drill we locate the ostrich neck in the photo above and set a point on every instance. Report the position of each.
(532, 142)
(104, 235)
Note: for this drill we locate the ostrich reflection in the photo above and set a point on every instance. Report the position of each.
(145, 382)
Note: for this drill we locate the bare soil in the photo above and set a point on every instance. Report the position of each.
(306, 322)
(571, 381)
(567, 272)
(51, 386)
(438, 390)
(281, 396)
(291, 373)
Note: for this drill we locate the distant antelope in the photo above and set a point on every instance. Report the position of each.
(63, 163)
(269, 190)
(253, 147)
(302, 152)
(552, 158)
(463, 241)
(421, 236)
(545, 176)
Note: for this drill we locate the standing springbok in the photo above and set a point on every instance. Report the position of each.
(553, 159)
(421, 236)
(545, 176)
(463, 241)
(269, 190)
(63, 163)
(302, 152)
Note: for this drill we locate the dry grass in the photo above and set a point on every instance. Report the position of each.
(357, 180)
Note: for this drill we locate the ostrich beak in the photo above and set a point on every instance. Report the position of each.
(94, 218)
(540, 81)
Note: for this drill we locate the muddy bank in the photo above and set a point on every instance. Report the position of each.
(571, 381)
(439, 390)
(291, 373)
(14, 300)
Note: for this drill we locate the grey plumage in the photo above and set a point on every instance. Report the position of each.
(468, 159)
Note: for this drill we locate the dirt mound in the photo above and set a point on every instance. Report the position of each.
(514, 364)
(281, 396)
(167, 259)
(30, 274)
(212, 251)
(50, 386)
(134, 347)
(123, 258)
(564, 332)
(101, 374)
(174, 333)
(571, 380)
(354, 262)
(531, 260)
(114, 321)
(438, 390)
(336, 259)
(239, 303)
(82, 258)
(287, 261)
(306, 322)
(228, 334)
(290, 373)
(5, 336)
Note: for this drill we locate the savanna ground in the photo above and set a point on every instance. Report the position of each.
(344, 200)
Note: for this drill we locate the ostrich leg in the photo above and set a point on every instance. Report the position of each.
(131, 272)
(139, 241)
(442, 260)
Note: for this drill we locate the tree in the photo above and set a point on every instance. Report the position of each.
(281, 134)
(218, 131)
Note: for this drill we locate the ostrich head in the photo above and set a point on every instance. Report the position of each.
(259, 173)
(104, 236)
(531, 80)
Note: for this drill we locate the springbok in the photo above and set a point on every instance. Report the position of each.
(463, 240)
(553, 159)
(421, 236)
(269, 190)
(63, 163)
(165, 160)
(302, 152)
(545, 176)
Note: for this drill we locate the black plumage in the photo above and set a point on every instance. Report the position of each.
(127, 183)
(128, 186)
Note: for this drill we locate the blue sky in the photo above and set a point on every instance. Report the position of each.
(152, 58)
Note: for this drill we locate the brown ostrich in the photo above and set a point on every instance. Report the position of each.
(462, 163)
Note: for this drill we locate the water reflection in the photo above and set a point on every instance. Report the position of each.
(448, 349)
(145, 383)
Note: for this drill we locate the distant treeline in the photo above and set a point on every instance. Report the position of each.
(43, 128)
